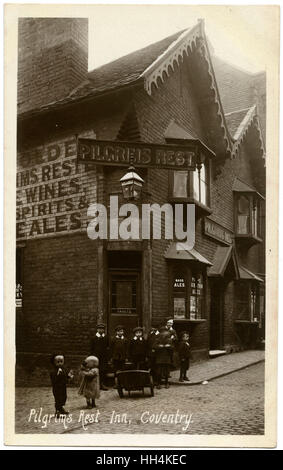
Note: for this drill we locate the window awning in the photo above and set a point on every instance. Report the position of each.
(175, 132)
(240, 186)
(222, 257)
(178, 251)
(248, 275)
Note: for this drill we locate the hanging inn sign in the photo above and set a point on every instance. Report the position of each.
(115, 153)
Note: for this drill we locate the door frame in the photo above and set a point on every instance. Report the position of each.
(125, 273)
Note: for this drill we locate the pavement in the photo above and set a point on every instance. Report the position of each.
(218, 367)
(213, 404)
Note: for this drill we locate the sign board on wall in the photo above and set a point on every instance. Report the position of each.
(216, 231)
(53, 191)
(114, 153)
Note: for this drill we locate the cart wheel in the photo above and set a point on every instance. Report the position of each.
(120, 391)
(152, 390)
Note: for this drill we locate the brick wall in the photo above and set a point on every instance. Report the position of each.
(59, 295)
(52, 59)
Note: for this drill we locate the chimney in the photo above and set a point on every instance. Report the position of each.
(52, 59)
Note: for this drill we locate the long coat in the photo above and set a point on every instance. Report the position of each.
(184, 350)
(89, 386)
(137, 350)
(119, 348)
(99, 347)
(163, 348)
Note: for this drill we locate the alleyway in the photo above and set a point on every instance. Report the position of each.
(233, 404)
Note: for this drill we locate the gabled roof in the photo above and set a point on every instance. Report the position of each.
(149, 67)
(234, 119)
(222, 257)
(239, 123)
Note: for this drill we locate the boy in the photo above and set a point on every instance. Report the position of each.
(137, 349)
(99, 347)
(119, 348)
(151, 338)
(184, 356)
(59, 379)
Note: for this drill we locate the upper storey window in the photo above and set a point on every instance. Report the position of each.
(248, 213)
(192, 186)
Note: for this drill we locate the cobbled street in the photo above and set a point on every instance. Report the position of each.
(233, 404)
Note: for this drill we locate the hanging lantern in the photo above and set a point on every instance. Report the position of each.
(131, 184)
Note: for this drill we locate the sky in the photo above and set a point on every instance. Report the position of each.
(238, 34)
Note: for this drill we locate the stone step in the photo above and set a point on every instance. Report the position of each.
(216, 353)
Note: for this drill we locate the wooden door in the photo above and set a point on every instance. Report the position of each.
(124, 301)
(216, 315)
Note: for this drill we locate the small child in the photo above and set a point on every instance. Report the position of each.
(184, 356)
(163, 348)
(89, 386)
(119, 349)
(59, 379)
(137, 349)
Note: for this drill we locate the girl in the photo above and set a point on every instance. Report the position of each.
(89, 386)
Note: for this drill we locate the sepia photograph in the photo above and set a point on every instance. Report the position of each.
(141, 168)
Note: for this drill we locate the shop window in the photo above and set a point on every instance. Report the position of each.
(192, 186)
(188, 295)
(196, 296)
(179, 296)
(19, 276)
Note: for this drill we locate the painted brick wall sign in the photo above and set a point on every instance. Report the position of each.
(216, 231)
(53, 191)
(145, 155)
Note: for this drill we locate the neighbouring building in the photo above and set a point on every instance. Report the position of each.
(172, 92)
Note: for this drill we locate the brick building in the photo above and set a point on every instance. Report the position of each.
(171, 92)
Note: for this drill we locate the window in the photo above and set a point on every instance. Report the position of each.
(192, 185)
(196, 296)
(243, 215)
(124, 296)
(179, 296)
(188, 294)
(180, 188)
(247, 295)
(248, 215)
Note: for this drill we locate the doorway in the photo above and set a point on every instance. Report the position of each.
(216, 314)
(124, 286)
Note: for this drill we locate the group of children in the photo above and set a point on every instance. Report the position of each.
(154, 353)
